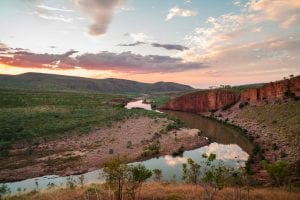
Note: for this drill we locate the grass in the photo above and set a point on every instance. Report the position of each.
(162, 191)
(27, 116)
(283, 118)
(161, 98)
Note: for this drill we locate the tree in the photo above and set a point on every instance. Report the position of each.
(212, 177)
(157, 173)
(4, 190)
(278, 172)
(137, 174)
(191, 171)
(115, 173)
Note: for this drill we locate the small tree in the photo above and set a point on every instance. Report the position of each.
(278, 172)
(81, 180)
(191, 171)
(157, 173)
(211, 177)
(136, 176)
(4, 190)
(115, 173)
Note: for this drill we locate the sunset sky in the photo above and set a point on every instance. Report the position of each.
(197, 42)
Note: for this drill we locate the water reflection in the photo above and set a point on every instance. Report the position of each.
(138, 104)
(217, 132)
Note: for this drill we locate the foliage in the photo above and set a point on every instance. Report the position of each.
(174, 125)
(4, 190)
(137, 174)
(28, 116)
(115, 174)
(71, 182)
(157, 174)
(179, 151)
(120, 177)
(212, 176)
(226, 107)
(278, 172)
(151, 150)
(191, 171)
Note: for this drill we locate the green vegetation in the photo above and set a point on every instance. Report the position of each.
(282, 117)
(157, 174)
(278, 172)
(121, 177)
(3, 190)
(39, 81)
(212, 176)
(159, 100)
(239, 88)
(179, 151)
(28, 116)
(151, 150)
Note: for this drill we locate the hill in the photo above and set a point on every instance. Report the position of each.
(39, 81)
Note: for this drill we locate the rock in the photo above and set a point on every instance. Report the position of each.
(272, 91)
(202, 101)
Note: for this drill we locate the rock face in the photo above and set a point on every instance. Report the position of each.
(273, 90)
(208, 100)
(202, 101)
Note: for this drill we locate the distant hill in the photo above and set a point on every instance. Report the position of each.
(39, 81)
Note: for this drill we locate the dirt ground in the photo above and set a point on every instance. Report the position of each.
(87, 152)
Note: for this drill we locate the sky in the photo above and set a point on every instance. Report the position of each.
(201, 43)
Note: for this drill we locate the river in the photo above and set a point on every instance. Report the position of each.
(230, 146)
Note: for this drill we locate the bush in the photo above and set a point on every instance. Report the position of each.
(277, 171)
(179, 151)
(175, 125)
(151, 150)
(274, 146)
(4, 190)
(110, 151)
(243, 104)
(226, 107)
(129, 145)
(157, 173)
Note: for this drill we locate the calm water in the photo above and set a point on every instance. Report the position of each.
(229, 146)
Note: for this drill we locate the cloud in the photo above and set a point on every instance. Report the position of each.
(132, 44)
(101, 13)
(55, 18)
(3, 47)
(135, 63)
(125, 62)
(180, 12)
(23, 58)
(139, 37)
(48, 8)
(170, 46)
(261, 39)
(285, 12)
(165, 46)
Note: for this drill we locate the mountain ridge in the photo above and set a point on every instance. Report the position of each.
(41, 81)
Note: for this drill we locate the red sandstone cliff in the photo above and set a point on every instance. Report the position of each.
(202, 101)
(273, 90)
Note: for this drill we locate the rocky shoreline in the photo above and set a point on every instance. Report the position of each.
(136, 138)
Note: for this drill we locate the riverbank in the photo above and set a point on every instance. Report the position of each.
(163, 191)
(136, 138)
(274, 126)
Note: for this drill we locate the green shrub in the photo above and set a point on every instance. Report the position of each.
(179, 151)
(278, 172)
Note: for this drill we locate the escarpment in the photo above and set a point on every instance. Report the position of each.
(273, 90)
(202, 101)
(210, 100)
